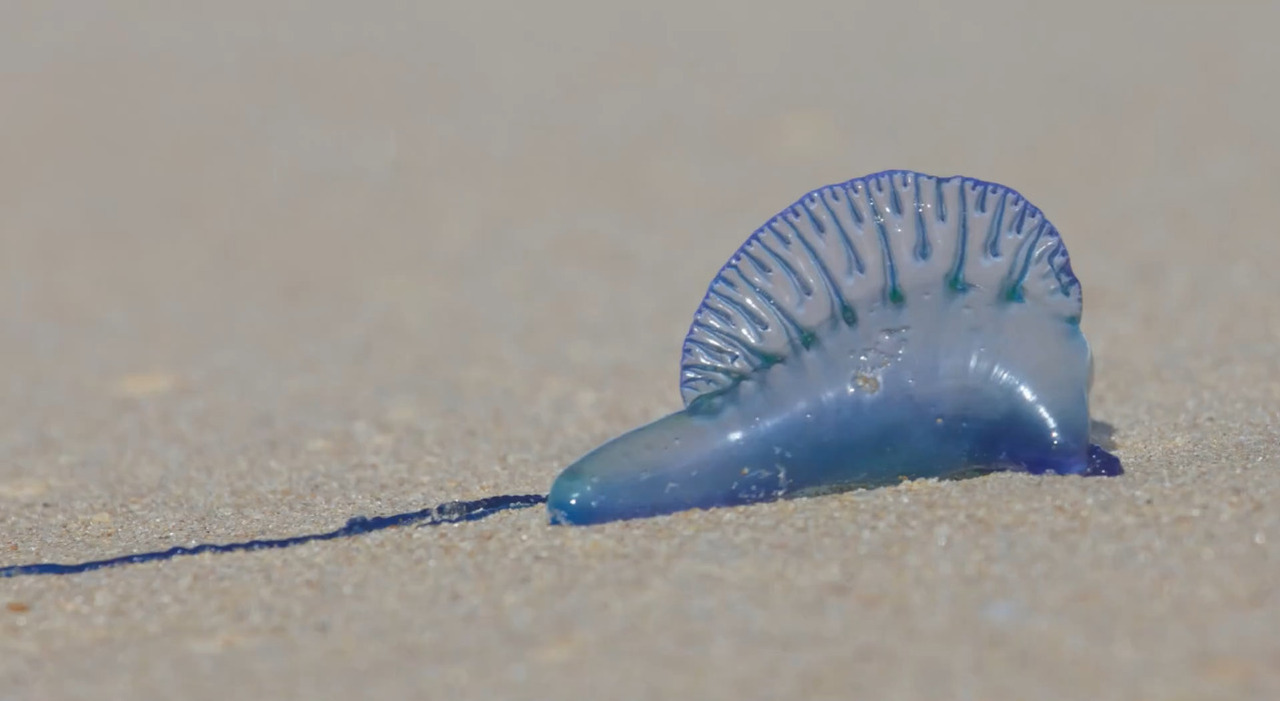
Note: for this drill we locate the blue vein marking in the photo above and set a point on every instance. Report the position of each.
(731, 342)
(762, 268)
(841, 307)
(993, 230)
(962, 242)
(740, 306)
(855, 261)
(1021, 220)
(850, 192)
(895, 204)
(891, 292)
(796, 279)
(721, 355)
(731, 373)
(720, 315)
(1061, 268)
(922, 237)
(1024, 266)
(790, 326)
(817, 225)
(448, 512)
(942, 202)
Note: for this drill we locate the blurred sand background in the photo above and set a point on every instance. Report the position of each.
(268, 265)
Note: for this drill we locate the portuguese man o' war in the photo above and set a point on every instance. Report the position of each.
(896, 326)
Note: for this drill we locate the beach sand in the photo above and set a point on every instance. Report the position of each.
(265, 266)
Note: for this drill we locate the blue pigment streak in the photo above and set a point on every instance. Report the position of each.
(448, 512)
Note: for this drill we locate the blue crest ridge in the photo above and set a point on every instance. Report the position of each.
(989, 198)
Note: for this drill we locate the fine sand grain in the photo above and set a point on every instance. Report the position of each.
(268, 265)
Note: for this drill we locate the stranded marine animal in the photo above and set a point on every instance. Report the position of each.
(899, 325)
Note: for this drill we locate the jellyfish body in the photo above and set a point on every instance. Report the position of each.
(897, 326)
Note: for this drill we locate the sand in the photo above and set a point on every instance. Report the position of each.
(265, 266)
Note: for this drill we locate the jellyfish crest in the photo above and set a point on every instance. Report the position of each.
(896, 242)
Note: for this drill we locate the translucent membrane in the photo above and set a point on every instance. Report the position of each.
(896, 326)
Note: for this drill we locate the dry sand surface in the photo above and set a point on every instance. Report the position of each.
(268, 265)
